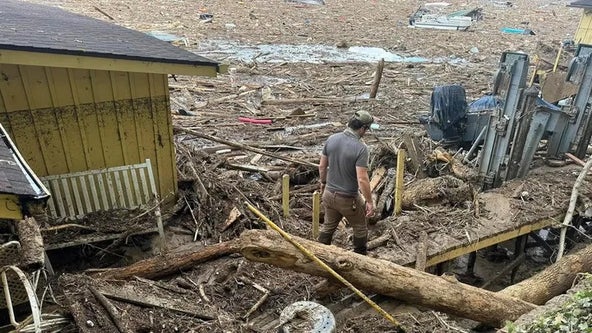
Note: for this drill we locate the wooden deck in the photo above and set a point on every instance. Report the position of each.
(517, 208)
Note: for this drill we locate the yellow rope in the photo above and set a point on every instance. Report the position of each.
(326, 267)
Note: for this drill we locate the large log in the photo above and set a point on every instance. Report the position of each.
(553, 280)
(169, 263)
(386, 278)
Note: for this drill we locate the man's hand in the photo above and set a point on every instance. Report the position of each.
(369, 209)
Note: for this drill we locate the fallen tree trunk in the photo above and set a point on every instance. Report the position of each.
(385, 278)
(553, 280)
(169, 263)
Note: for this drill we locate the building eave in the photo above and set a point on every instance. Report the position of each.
(17, 57)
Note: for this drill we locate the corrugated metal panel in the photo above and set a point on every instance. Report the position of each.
(584, 32)
(71, 120)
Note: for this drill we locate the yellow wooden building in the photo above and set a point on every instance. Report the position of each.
(584, 32)
(79, 94)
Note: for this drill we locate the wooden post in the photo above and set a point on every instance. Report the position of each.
(399, 182)
(316, 212)
(286, 195)
(377, 78)
(422, 252)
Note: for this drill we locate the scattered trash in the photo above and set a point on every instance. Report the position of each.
(255, 176)
(184, 112)
(342, 45)
(206, 18)
(459, 20)
(436, 4)
(517, 31)
(308, 2)
(230, 26)
(254, 121)
(474, 50)
(502, 3)
(476, 13)
(440, 22)
(167, 37)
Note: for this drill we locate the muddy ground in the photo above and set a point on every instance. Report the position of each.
(219, 295)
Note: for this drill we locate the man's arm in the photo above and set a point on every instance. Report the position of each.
(323, 171)
(364, 185)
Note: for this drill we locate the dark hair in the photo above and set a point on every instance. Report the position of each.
(356, 124)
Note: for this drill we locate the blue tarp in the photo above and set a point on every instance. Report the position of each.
(491, 102)
(448, 106)
(542, 102)
(487, 102)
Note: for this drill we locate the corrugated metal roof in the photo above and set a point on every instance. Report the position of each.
(581, 4)
(26, 26)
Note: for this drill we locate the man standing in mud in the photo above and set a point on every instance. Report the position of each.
(343, 171)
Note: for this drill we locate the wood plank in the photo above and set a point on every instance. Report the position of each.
(491, 240)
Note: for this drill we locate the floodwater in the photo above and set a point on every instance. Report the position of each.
(225, 50)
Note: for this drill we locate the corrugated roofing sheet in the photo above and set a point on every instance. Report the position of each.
(32, 27)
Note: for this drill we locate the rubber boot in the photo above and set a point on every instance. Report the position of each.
(325, 238)
(360, 245)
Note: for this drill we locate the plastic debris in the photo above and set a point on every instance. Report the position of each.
(167, 37)
(517, 31)
(206, 17)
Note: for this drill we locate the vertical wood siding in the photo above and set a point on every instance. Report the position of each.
(70, 120)
(584, 32)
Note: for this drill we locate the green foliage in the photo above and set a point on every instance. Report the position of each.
(574, 316)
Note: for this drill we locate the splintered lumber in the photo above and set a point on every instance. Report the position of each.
(416, 155)
(385, 278)
(553, 280)
(169, 263)
(245, 147)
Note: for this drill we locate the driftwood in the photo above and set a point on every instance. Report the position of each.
(169, 263)
(553, 280)
(428, 191)
(422, 252)
(572, 207)
(387, 192)
(128, 294)
(416, 155)
(377, 78)
(386, 278)
(32, 250)
(111, 310)
(245, 147)
(314, 101)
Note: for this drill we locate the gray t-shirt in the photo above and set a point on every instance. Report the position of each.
(344, 152)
